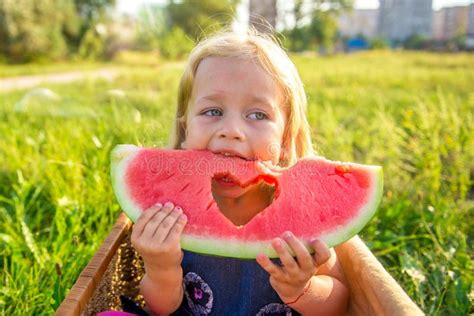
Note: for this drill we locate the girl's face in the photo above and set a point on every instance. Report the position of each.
(235, 108)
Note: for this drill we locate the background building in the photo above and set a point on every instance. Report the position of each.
(470, 22)
(399, 19)
(470, 28)
(450, 22)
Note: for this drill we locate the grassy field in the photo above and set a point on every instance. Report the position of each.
(8, 71)
(122, 59)
(412, 113)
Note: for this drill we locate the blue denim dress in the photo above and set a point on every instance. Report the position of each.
(227, 286)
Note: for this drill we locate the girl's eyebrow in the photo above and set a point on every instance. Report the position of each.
(212, 97)
(263, 101)
(216, 97)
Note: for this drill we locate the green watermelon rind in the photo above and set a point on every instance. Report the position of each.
(250, 250)
(121, 155)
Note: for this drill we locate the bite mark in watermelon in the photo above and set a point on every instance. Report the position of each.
(315, 198)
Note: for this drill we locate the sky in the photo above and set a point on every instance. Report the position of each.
(131, 6)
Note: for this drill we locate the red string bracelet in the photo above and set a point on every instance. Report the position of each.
(304, 292)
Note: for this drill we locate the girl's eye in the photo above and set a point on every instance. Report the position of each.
(259, 115)
(213, 112)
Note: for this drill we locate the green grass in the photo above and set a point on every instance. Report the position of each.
(7, 71)
(412, 113)
(122, 59)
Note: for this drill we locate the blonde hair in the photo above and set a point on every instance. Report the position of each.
(264, 49)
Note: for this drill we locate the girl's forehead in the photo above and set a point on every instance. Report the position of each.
(229, 72)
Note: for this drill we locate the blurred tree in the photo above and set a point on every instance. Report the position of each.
(93, 42)
(315, 23)
(33, 30)
(379, 43)
(91, 15)
(457, 43)
(174, 27)
(297, 39)
(151, 26)
(323, 29)
(175, 44)
(197, 18)
(49, 29)
(416, 41)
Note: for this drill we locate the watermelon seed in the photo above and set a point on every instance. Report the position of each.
(185, 187)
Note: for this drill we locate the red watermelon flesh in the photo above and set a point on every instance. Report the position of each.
(315, 198)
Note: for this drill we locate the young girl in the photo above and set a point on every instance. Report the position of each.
(240, 96)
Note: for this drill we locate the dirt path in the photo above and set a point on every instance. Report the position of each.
(23, 82)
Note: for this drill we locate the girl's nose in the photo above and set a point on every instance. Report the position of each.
(231, 130)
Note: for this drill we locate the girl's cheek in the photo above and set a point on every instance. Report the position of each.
(269, 151)
(198, 122)
(206, 120)
(271, 147)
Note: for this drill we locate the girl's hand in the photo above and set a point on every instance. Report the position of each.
(292, 278)
(156, 237)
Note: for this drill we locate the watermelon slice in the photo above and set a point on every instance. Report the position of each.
(316, 197)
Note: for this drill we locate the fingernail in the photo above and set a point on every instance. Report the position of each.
(169, 204)
(178, 208)
(183, 218)
(287, 235)
(158, 205)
